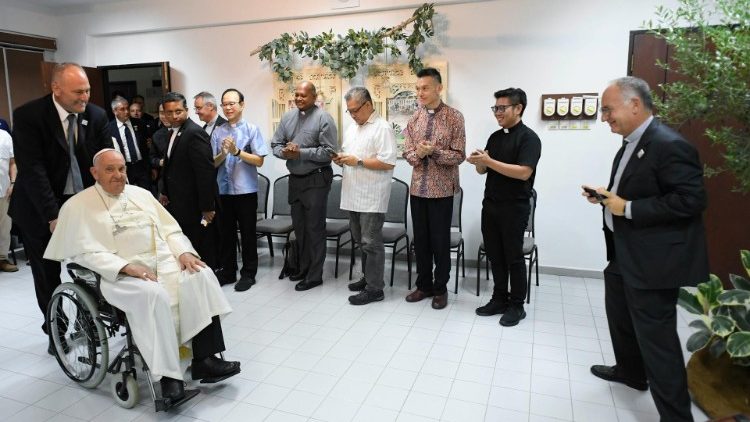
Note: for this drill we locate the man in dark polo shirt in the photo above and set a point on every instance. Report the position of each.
(509, 160)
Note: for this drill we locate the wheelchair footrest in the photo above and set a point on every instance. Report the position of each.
(163, 404)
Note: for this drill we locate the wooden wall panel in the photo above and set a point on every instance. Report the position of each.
(24, 68)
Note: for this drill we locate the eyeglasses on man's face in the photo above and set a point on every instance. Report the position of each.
(501, 108)
(356, 110)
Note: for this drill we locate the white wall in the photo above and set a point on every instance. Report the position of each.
(541, 46)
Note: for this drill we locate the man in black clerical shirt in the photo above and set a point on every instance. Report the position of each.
(509, 160)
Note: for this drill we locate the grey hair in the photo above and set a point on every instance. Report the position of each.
(119, 100)
(207, 98)
(358, 93)
(632, 87)
(60, 68)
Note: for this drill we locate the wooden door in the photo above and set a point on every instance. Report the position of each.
(727, 230)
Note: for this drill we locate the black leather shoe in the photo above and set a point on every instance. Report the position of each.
(358, 286)
(492, 308)
(172, 389)
(513, 315)
(297, 277)
(213, 369)
(366, 296)
(64, 344)
(307, 285)
(609, 373)
(244, 284)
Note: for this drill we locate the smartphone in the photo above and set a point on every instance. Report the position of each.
(595, 194)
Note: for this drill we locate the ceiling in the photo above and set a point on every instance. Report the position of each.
(63, 5)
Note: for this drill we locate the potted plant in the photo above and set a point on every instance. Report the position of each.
(719, 369)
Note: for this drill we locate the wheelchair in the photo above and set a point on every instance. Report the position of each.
(81, 322)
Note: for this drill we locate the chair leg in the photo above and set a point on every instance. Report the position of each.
(528, 285)
(536, 255)
(393, 263)
(270, 244)
(486, 268)
(336, 268)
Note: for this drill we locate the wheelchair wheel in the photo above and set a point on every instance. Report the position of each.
(125, 390)
(78, 335)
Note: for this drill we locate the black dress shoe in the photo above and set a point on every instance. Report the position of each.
(297, 277)
(213, 369)
(307, 285)
(610, 373)
(244, 284)
(492, 308)
(358, 286)
(512, 316)
(172, 389)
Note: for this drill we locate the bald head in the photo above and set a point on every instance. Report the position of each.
(70, 87)
(305, 95)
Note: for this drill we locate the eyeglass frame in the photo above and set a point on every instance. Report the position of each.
(502, 107)
(350, 112)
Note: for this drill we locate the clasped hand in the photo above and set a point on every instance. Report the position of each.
(290, 151)
(424, 149)
(345, 159)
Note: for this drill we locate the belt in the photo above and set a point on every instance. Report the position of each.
(317, 170)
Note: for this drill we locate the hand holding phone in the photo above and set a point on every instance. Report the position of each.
(594, 194)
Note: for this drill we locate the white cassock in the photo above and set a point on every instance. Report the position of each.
(103, 233)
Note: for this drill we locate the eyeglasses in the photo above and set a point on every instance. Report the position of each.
(229, 104)
(357, 109)
(501, 108)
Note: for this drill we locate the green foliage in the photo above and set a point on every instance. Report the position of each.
(710, 51)
(724, 324)
(346, 54)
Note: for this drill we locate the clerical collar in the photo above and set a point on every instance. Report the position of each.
(513, 128)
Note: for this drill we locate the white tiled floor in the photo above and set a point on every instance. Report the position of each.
(310, 356)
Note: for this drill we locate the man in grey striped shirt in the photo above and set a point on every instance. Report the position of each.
(368, 158)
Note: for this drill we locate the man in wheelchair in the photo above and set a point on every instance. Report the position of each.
(150, 271)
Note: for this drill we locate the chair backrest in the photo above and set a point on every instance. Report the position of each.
(333, 210)
(458, 202)
(398, 202)
(263, 185)
(281, 197)
(530, 223)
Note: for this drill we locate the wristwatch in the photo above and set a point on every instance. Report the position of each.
(360, 163)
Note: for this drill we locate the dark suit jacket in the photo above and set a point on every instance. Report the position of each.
(663, 245)
(41, 153)
(140, 136)
(158, 151)
(189, 176)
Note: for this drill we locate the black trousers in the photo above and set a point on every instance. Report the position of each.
(643, 328)
(503, 226)
(46, 273)
(239, 211)
(308, 196)
(431, 220)
(209, 341)
(205, 240)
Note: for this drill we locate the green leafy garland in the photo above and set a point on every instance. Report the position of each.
(345, 55)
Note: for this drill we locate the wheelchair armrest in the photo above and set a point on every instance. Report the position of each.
(79, 272)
